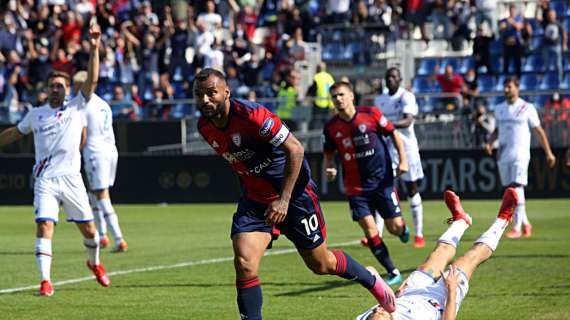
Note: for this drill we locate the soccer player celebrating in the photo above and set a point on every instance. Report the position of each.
(278, 193)
(515, 117)
(358, 135)
(100, 162)
(57, 128)
(399, 106)
(429, 293)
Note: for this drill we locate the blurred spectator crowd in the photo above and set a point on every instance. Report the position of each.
(152, 49)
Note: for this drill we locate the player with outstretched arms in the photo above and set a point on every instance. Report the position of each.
(278, 194)
(100, 162)
(515, 119)
(359, 135)
(399, 106)
(433, 293)
(57, 128)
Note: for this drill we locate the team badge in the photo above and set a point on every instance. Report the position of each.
(347, 156)
(347, 142)
(362, 127)
(215, 144)
(236, 138)
(266, 127)
(383, 121)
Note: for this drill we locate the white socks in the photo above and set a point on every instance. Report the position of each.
(92, 248)
(98, 215)
(43, 257)
(379, 223)
(454, 233)
(520, 211)
(417, 214)
(108, 211)
(492, 236)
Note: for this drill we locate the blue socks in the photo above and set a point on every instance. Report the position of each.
(380, 251)
(348, 268)
(249, 298)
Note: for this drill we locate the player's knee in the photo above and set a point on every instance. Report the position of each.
(245, 267)
(319, 268)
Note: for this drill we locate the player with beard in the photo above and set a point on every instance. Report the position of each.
(278, 195)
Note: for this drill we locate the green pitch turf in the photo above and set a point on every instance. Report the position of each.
(194, 278)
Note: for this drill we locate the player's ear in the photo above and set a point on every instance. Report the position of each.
(227, 91)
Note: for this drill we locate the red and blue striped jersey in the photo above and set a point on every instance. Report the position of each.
(250, 143)
(362, 148)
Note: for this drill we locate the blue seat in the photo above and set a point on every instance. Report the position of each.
(487, 83)
(540, 100)
(529, 81)
(423, 105)
(533, 63)
(496, 100)
(565, 82)
(422, 85)
(178, 90)
(535, 43)
(500, 82)
(426, 66)
(559, 7)
(496, 48)
(536, 27)
(466, 65)
(550, 81)
(454, 62)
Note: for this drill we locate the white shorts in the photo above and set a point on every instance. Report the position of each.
(513, 172)
(101, 169)
(415, 170)
(425, 298)
(68, 191)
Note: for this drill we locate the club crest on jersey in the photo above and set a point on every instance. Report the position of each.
(347, 142)
(362, 127)
(266, 127)
(236, 138)
(58, 115)
(215, 144)
(383, 121)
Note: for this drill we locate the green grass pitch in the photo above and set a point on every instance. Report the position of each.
(194, 277)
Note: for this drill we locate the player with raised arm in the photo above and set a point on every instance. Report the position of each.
(278, 194)
(430, 293)
(399, 106)
(57, 128)
(100, 162)
(515, 117)
(359, 135)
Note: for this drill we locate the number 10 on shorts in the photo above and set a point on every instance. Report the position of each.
(311, 224)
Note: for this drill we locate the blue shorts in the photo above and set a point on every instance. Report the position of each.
(385, 200)
(304, 224)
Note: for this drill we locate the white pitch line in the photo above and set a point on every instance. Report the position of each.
(164, 267)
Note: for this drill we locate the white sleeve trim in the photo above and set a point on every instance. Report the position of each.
(280, 137)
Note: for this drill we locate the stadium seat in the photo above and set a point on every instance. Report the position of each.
(536, 27)
(550, 81)
(533, 63)
(535, 43)
(426, 66)
(422, 85)
(454, 62)
(496, 48)
(500, 83)
(178, 90)
(423, 105)
(540, 100)
(467, 64)
(565, 82)
(529, 81)
(487, 83)
(495, 101)
(559, 7)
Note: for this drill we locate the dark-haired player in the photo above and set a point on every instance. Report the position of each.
(359, 135)
(278, 193)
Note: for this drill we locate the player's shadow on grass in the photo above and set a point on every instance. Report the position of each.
(329, 285)
(15, 253)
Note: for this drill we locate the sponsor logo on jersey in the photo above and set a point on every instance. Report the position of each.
(347, 142)
(243, 155)
(266, 127)
(236, 138)
(338, 134)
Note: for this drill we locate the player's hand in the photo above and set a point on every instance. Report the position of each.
(94, 34)
(276, 211)
(568, 158)
(331, 173)
(488, 149)
(402, 168)
(550, 160)
(452, 278)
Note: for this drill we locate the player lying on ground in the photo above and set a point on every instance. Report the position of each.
(430, 293)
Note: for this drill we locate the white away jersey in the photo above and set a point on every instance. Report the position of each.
(514, 123)
(57, 136)
(394, 107)
(100, 136)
